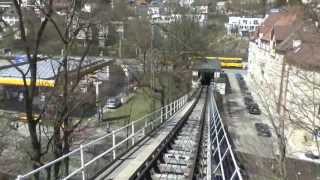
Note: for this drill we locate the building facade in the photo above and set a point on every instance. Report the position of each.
(243, 25)
(283, 67)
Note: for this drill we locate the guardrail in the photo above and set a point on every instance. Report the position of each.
(221, 161)
(120, 140)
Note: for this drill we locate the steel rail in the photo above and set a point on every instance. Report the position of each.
(144, 171)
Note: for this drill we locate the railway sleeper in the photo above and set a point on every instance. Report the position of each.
(173, 160)
(185, 141)
(187, 153)
(182, 147)
(193, 138)
(178, 157)
(157, 176)
(173, 169)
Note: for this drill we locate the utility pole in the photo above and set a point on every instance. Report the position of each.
(98, 101)
(120, 31)
(152, 68)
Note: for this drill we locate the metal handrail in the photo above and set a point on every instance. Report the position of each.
(166, 113)
(213, 118)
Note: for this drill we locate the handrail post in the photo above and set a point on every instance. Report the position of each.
(19, 177)
(82, 163)
(166, 111)
(177, 105)
(145, 127)
(114, 145)
(132, 132)
(151, 122)
(174, 107)
(161, 114)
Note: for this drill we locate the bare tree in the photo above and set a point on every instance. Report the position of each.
(32, 50)
(142, 41)
(65, 95)
(276, 118)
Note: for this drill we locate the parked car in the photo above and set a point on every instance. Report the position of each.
(238, 76)
(311, 155)
(248, 100)
(113, 103)
(254, 109)
(263, 129)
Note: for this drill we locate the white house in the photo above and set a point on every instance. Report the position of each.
(243, 25)
(221, 7)
(186, 3)
(153, 10)
(160, 13)
(284, 68)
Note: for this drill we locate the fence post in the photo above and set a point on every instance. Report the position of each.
(161, 114)
(151, 122)
(145, 127)
(177, 105)
(172, 108)
(114, 145)
(132, 132)
(166, 107)
(82, 163)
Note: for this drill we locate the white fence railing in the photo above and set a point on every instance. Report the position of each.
(222, 163)
(84, 160)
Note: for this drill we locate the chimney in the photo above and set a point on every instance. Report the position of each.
(296, 43)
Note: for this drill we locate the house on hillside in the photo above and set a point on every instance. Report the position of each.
(284, 68)
(242, 26)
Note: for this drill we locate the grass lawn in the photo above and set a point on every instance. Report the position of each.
(139, 105)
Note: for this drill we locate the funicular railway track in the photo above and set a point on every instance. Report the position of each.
(178, 156)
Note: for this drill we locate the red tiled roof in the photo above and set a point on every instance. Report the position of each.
(278, 25)
(306, 56)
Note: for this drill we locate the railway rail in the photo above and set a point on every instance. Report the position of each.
(194, 144)
(178, 157)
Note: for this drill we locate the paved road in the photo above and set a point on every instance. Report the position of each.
(256, 152)
(241, 123)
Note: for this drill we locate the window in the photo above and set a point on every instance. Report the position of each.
(255, 22)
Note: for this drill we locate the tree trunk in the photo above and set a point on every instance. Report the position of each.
(32, 127)
(57, 149)
(66, 148)
(144, 61)
(282, 159)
